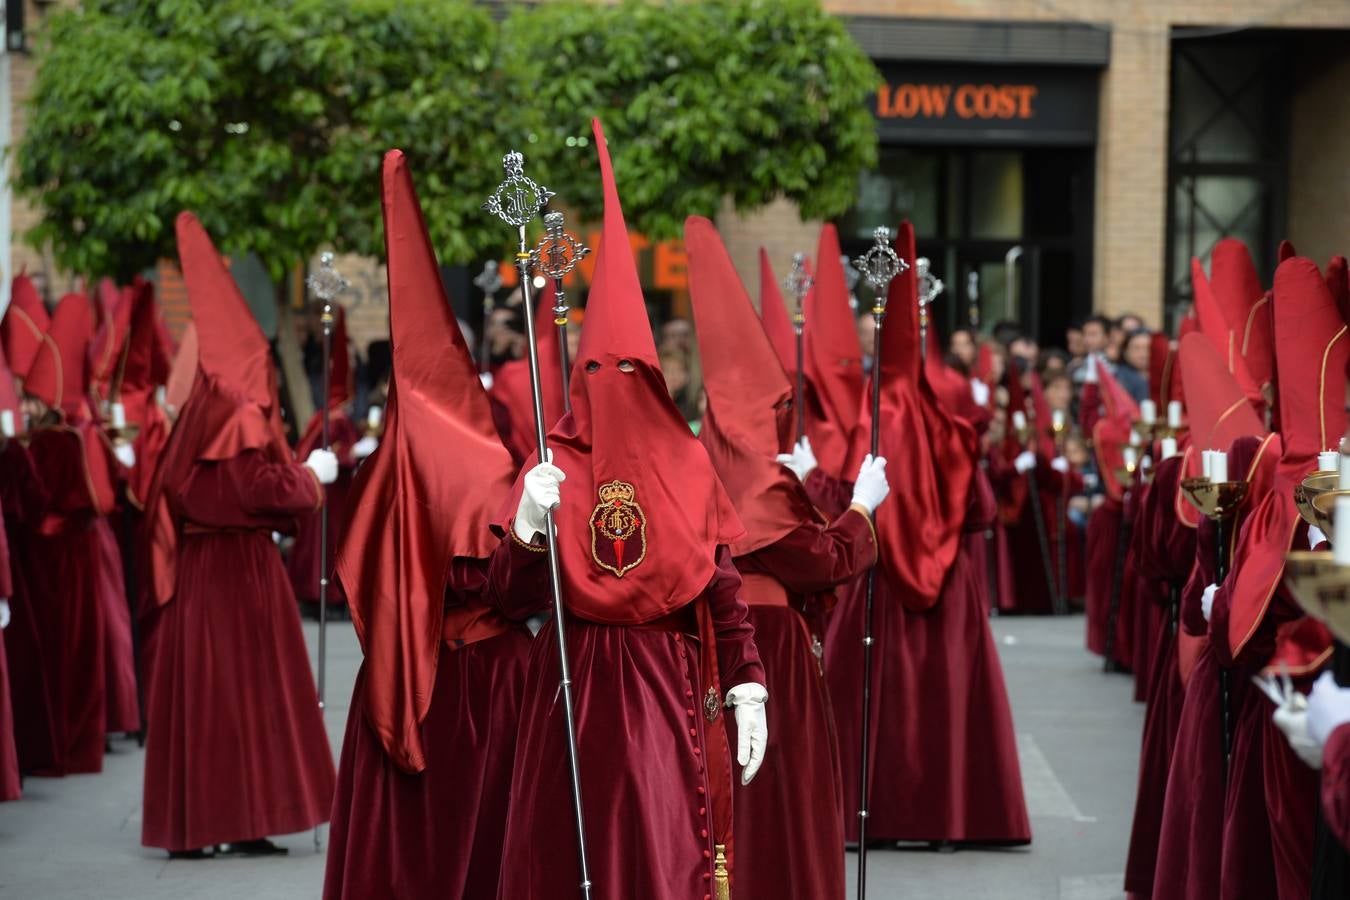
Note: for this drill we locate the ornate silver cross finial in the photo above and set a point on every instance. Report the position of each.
(489, 281)
(879, 265)
(797, 282)
(929, 287)
(557, 254)
(518, 199)
(327, 282)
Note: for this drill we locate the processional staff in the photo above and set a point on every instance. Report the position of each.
(557, 254)
(489, 281)
(798, 283)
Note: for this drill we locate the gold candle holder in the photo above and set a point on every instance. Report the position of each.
(1324, 509)
(124, 435)
(1321, 587)
(1215, 500)
(1314, 485)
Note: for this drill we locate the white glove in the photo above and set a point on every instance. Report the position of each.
(4, 613)
(1315, 536)
(366, 446)
(1060, 465)
(801, 460)
(1291, 717)
(486, 379)
(979, 391)
(1207, 600)
(324, 464)
(1328, 708)
(541, 494)
(1090, 374)
(125, 453)
(871, 486)
(752, 726)
(1025, 462)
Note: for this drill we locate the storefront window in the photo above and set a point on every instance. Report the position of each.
(996, 194)
(906, 185)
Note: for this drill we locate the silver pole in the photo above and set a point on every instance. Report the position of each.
(556, 255)
(798, 282)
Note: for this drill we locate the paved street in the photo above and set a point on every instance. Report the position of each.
(1078, 735)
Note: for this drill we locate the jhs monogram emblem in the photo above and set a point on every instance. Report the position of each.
(618, 529)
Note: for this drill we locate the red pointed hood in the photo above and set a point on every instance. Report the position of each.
(183, 370)
(1222, 319)
(110, 337)
(930, 454)
(59, 375)
(1338, 282)
(511, 386)
(24, 325)
(409, 513)
(833, 359)
(749, 418)
(1162, 377)
(773, 314)
(643, 511)
(1246, 307)
(146, 361)
(1311, 350)
(9, 391)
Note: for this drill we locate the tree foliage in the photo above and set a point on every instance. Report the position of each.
(700, 99)
(268, 118)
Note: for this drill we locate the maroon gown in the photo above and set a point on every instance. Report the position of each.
(123, 706)
(10, 788)
(24, 501)
(1103, 546)
(69, 607)
(236, 748)
(790, 820)
(302, 566)
(437, 833)
(944, 752)
(1030, 591)
(641, 744)
(1336, 784)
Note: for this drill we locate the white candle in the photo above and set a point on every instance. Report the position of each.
(1340, 544)
(1131, 458)
(1343, 482)
(1169, 447)
(1057, 419)
(1136, 440)
(1328, 461)
(1019, 420)
(374, 416)
(1148, 412)
(119, 416)
(1219, 471)
(7, 422)
(1174, 414)
(1207, 464)
(161, 396)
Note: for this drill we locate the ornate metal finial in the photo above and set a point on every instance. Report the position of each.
(851, 278)
(327, 284)
(556, 254)
(930, 286)
(518, 199)
(879, 265)
(797, 282)
(489, 281)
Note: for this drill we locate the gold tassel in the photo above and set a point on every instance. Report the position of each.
(721, 877)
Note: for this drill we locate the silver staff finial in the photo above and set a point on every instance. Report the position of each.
(327, 282)
(798, 281)
(557, 254)
(518, 199)
(489, 281)
(880, 264)
(930, 286)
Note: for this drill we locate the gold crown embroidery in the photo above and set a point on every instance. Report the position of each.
(618, 529)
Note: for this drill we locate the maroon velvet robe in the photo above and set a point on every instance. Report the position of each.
(302, 566)
(69, 609)
(1103, 547)
(955, 778)
(1336, 784)
(790, 820)
(1167, 553)
(437, 833)
(641, 742)
(1030, 591)
(24, 501)
(123, 706)
(9, 754)
(236, 748)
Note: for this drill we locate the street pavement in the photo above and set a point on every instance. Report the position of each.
(1078, 737)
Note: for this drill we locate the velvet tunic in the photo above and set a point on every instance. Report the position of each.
(437, 833)
(955, 776)
(1336, 784)
(641, 735)
(10, 788)
(302, 566)
(236, 748)
(790, 820)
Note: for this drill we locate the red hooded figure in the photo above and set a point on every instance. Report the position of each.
(431, 732)
(236, 748)
(790, 824)
(936, 777)
(24, 324)
(9, 742)
(834, 373)
(656, 624)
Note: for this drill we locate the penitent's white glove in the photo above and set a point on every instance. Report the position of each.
(979, 392)
(1090, 374)
(752, 726)
(871, 486)
(324, 465)
(364, 447)
(487, 380)
(1328, 708)
(1291, 717)
(541, 493)
(4, 613)
(125, 453)
(801, 460)
(1207, 601)
(1315, 536)
(1025, 462)
(1060, 465)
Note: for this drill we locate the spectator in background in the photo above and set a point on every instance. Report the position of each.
(1053, 360)
(1075, 343)
(961, 345)
(1025, 349)
(1132, 369)
(1096, 338)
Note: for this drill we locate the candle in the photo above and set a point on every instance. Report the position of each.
(161, 396)
(7, 422)
(1169, 447)
(1328, 461)
(119, 416)
(1019, 420)
(1174, 414)
(1057, 419)
(1131, 458)
(374, 416)
(1148, 412)
(1207, 463)
(1343, 482)
(1136, 440)
(1340, 544)
(1219, 467)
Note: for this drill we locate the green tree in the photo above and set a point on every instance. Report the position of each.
(701, 100)
(268, 118)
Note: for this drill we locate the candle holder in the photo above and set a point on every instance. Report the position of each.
(1216, 500)
(1314, 485)
(1324, 509)
(1321, 587)
(122, 435)
(373, 430)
